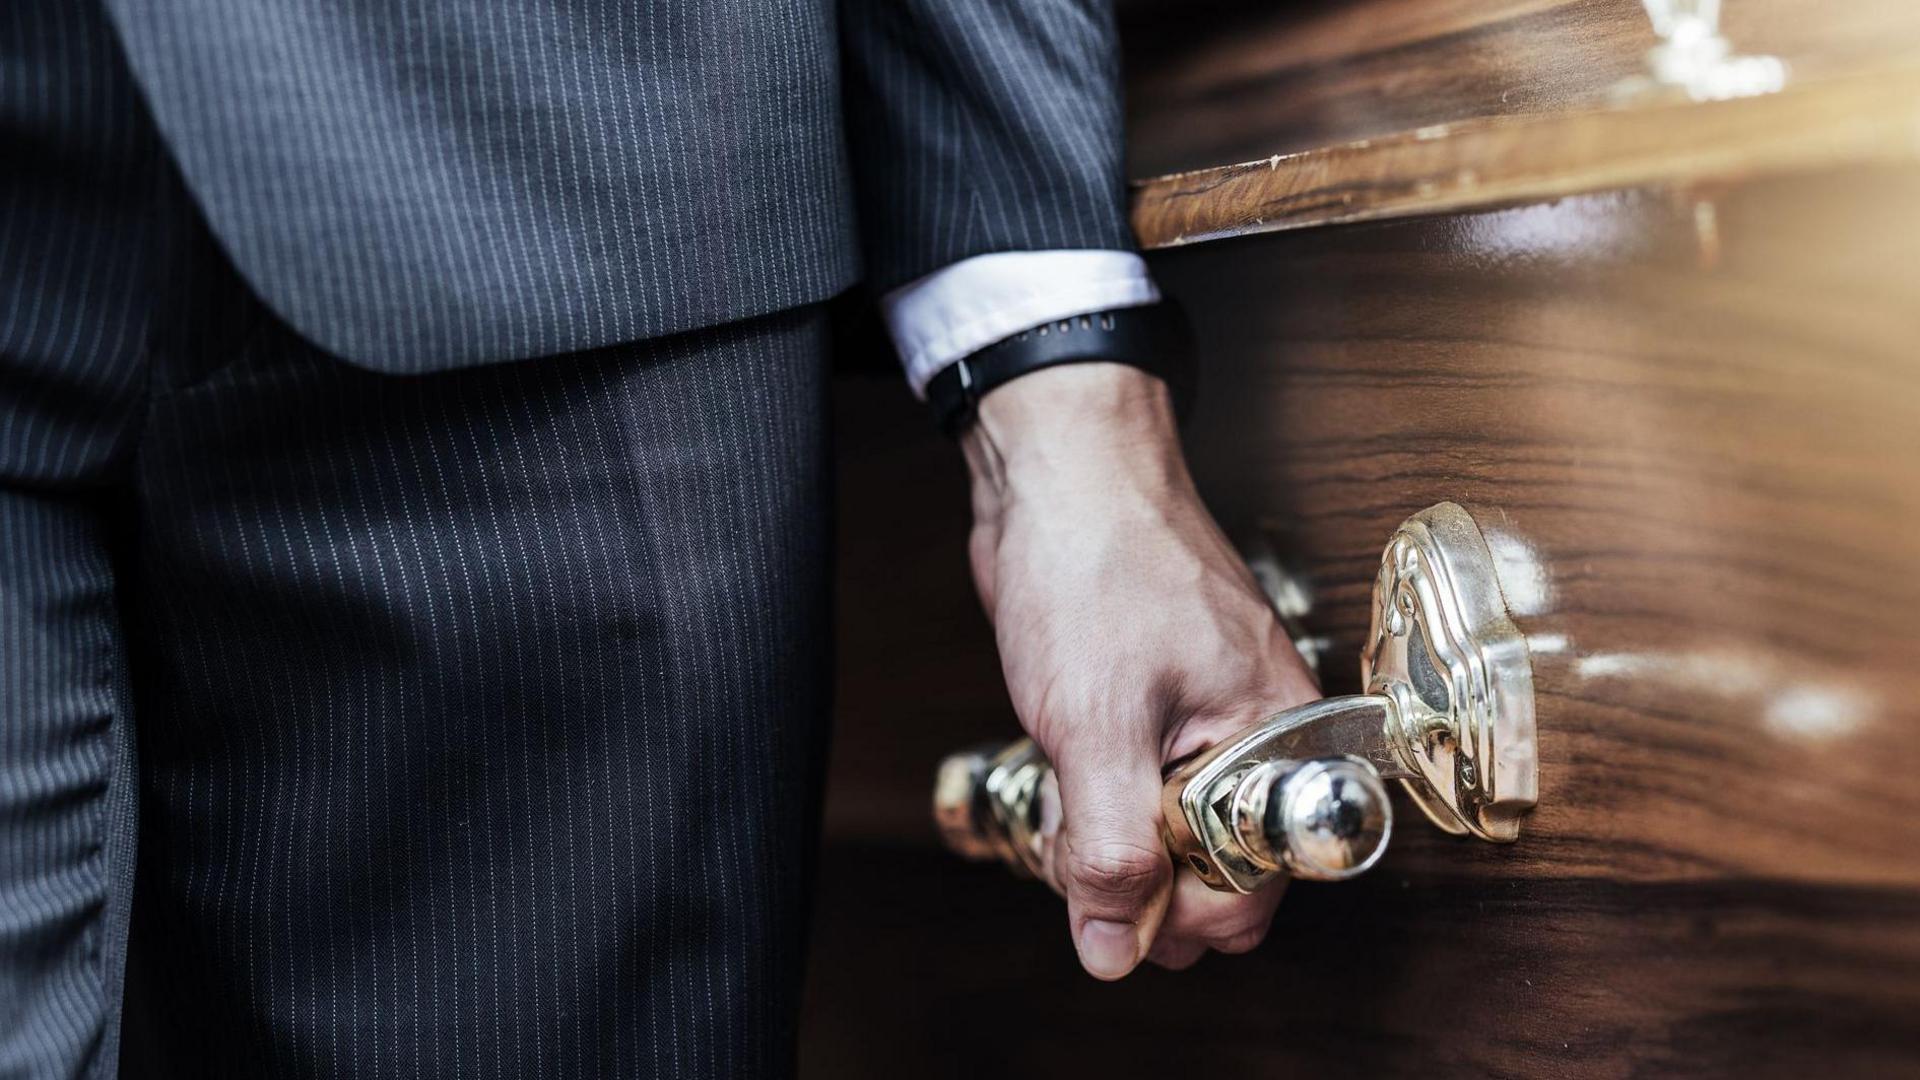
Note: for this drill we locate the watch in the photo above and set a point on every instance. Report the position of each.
(1155, 338)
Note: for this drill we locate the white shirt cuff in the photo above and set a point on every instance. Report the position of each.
(963, 308)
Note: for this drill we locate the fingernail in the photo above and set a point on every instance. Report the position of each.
(1108, 950)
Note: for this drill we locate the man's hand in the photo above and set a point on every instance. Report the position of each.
(1131, 635)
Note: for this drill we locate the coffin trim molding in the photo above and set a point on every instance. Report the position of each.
(1495, 162)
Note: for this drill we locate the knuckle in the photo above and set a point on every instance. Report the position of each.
(1244, 941)
(1177, 958)
(1240, 917)
(1115, 871)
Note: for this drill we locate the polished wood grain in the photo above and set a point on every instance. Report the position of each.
(1690, 425)
(1481, 164)
(1214, 82)
(943, 972)
(1693, 415)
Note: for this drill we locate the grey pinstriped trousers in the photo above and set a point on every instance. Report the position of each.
(464, 724)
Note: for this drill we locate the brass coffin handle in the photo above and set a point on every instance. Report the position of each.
(1448, 712)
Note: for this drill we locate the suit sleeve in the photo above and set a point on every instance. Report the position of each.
(981, 126)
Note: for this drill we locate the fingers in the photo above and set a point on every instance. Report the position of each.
(1200, 920)
(1175, 954)
(1111, 873)
(1225, 922)
(1109, 858)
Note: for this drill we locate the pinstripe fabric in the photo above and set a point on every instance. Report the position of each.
(423, 184)
(478, 713)
(468, 710)
(70, 318)
(983, 126)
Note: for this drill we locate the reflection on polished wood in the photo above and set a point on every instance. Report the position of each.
(1212, 82)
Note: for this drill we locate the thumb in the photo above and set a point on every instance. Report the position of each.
(1110, 860)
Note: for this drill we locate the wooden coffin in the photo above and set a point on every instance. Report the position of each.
(1668, 354)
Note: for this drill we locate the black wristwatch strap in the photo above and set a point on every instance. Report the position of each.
(1155, 339)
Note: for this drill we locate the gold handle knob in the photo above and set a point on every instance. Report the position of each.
(1322, 819)
(1327, 819)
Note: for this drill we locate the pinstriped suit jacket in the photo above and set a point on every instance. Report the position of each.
(425, 185)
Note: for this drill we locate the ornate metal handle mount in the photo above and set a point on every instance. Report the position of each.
(1448, 712)
(1695, 61)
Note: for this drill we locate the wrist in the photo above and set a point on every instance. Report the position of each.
(1095, 429)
